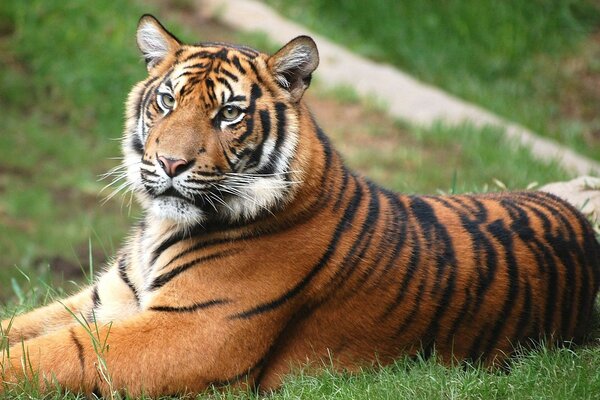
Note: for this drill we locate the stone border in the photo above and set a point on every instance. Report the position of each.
(406, 98)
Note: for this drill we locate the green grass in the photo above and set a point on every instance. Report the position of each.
(534, 62)
(441, 158)
(66, 69)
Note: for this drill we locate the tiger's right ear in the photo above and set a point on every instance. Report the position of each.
(154, 41)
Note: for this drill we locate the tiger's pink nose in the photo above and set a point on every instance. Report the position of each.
(173, 167)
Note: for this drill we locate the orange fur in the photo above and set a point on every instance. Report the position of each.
(264, 252)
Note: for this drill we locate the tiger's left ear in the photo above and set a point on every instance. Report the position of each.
(293, 65)
(154, 41)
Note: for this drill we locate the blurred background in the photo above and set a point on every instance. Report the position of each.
(66, 67)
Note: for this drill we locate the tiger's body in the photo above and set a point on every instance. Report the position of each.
(261, 251)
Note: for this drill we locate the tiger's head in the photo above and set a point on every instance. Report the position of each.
(213, 131)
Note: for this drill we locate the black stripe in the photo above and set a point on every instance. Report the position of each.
(563, 246)
(248, 52)
(170, 241)
(328, 153)
(255, 70)
(79, 347)
(566, 249)
(161, 280)
(237, 97)
(275, 155)
(136, 143)
(221, 54)
(238, 65)
(486, 258)
(387, 242)
(218, 227)
(345, 223)
(281, 125)
(398, 228)
(543, 259)
(411, 317)
(342, 190)
(504, 237)
(435, 235)
(413, 264)
(545, 251)
(459, 319)
(265, 122)
(255, 93)
(125, 278)
(198, 65)
(226, 83)
(198, 54)
(210, 88)
(436, 232)
(95, 297)
(526, 314)
(191, 308)
(231, 76)
(96, 302)
(362, 240)
(474, 352)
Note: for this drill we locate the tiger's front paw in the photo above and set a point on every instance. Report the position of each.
(14, 370)
(42, 364)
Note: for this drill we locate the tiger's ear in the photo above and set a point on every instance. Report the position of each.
(293, 65)
(154, 41)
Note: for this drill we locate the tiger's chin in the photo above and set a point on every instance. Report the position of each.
(176, 210)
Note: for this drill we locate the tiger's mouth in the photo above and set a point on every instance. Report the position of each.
(172, 192)
(205, 200)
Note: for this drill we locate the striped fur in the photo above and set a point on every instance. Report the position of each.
(262, 251)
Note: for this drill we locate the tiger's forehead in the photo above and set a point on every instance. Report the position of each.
(216, 72)
(212, 56)
(217, 50)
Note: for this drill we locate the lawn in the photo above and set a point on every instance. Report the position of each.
(66, 69)
(534, 62)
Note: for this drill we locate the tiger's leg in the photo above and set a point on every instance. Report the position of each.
(48, 318)
(153, 353)
(108, 296)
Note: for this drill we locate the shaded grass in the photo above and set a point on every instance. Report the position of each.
(530, 61)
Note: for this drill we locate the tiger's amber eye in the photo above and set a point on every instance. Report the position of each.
(166, 101)
(230, 113)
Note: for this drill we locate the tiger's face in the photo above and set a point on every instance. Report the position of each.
(212, 133)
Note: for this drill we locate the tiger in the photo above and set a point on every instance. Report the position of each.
(259, 251)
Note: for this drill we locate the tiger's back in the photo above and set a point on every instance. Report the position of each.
(471, 276)
(259, 250)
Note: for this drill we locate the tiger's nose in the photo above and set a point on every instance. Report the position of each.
(173, 167)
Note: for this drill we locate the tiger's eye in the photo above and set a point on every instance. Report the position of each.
(230, 113)
(166, 101)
